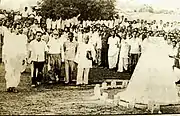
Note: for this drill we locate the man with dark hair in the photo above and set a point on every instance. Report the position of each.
(38, 56)
(135, 47)
(70, 50)
(25, 14)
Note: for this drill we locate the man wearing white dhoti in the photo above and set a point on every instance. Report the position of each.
(113, 51)
(14, 58)
(153, 80)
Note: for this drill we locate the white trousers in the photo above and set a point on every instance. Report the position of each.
(123, 63)
(82, 75)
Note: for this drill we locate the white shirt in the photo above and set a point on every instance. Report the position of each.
(49, 22)
(55, 46)
(17, 17)
(38, 50)
(18, 43)
(124, 48)
(63, 38)
(81, 58)
(53, 24)
(113, 45)
(58, 23)
(38, 18)
(134, 43)
(80, 37)
(25, 14)
(96, 40)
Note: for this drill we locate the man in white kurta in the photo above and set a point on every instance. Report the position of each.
(14, 59)
(113, 51)
(84, 64)
(124, 55)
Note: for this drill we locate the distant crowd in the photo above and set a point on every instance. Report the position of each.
(112, 44)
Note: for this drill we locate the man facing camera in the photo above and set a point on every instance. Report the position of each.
(70, 50)
(85, 56)
(37, 56)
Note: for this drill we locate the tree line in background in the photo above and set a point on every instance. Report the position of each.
(89, 9)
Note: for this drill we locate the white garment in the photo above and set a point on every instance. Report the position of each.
(25, 14)
(55, 47)
(153, 79)
(63, 38)
(123, 64)
(82, 75)
(17, 17)
(135, 43)
(53, 24)
(13, 58)
(113, 51)
(49, 23)
(38, 50)
(38, 18)
(81, 58)
(58, 23)
(124, 51)
(95, 40)
(123, 58)
(80, 37)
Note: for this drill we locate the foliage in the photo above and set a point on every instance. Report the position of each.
(89, 9)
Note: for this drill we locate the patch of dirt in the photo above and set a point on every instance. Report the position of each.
(61, 100)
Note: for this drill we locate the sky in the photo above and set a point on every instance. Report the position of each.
(158, 4)
(16, 4)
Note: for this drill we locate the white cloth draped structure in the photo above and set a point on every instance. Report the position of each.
(153, 79)
(14, 53)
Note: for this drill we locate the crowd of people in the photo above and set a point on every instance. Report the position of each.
(114, 44)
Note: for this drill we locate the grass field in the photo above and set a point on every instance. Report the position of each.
(64, 100)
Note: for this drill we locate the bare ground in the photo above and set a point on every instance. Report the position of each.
(61, 100)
